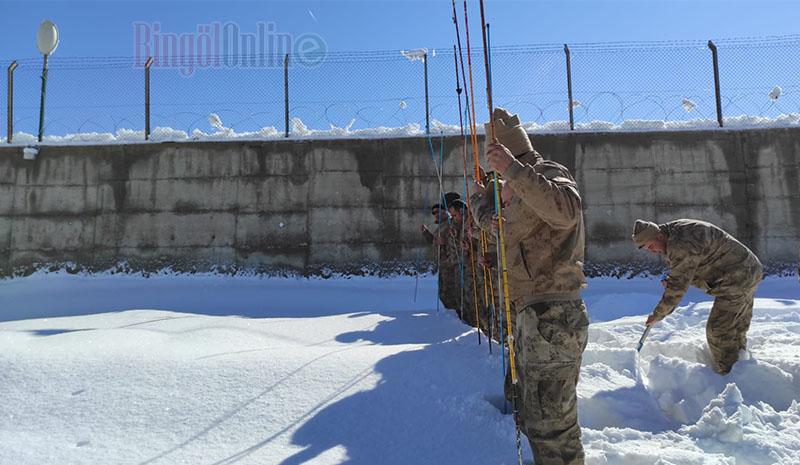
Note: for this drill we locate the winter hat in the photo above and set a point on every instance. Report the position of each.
(454, 200)
(450, 197)
(509, 132)
(643, 231)
(458, 203)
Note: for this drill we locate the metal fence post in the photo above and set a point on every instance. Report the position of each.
(11, 69)
(286, 90)
(147, 98)
(716, 81)
(427, 111)
(44, 90)
(569, 89)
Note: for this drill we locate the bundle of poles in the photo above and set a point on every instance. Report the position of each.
(502, 271)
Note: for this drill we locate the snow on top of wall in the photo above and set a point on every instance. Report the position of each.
(299, 130)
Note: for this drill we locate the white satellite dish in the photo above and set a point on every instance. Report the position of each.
(47, 38)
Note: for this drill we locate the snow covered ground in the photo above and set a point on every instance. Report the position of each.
(223, 370)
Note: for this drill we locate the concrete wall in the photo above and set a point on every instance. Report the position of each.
(743, 181)
(349, 204)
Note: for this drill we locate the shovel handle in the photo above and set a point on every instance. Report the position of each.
(641, 340)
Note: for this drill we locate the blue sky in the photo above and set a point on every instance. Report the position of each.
(612, 86)
(105, 28)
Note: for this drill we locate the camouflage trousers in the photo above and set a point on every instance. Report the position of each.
(469, 293)
(476, 290)
(726, 330)
(449, 293)
(549, 340)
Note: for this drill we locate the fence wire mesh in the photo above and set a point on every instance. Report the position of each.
(663, 82)
(615, 86)
(759, 77)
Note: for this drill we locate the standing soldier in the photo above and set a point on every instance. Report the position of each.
(471, 273)
(703, 255)
(494, 312)
(448, 293)
(544, 250)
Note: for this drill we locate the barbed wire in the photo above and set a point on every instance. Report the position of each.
(791, 39)
(667, 81)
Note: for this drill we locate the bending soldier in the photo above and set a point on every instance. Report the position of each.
(701, 254)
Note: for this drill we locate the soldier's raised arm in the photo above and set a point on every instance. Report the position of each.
(551, 195)
(481, 207)
(427, 234)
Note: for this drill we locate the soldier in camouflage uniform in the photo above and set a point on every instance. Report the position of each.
(703, 255)
(462, 276)
(473, 278)
(489, 259)
(448, 293)
(544, 241)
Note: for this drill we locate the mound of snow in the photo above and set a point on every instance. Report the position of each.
(723, 418)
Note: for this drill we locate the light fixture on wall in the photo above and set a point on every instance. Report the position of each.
(47, 41)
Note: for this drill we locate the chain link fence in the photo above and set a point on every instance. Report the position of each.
(617, 86)
(759, 78)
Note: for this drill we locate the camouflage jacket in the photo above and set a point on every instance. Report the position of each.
(455, 253)
(542, 229)
(452, 245)
(449, 254)
(705, 256)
